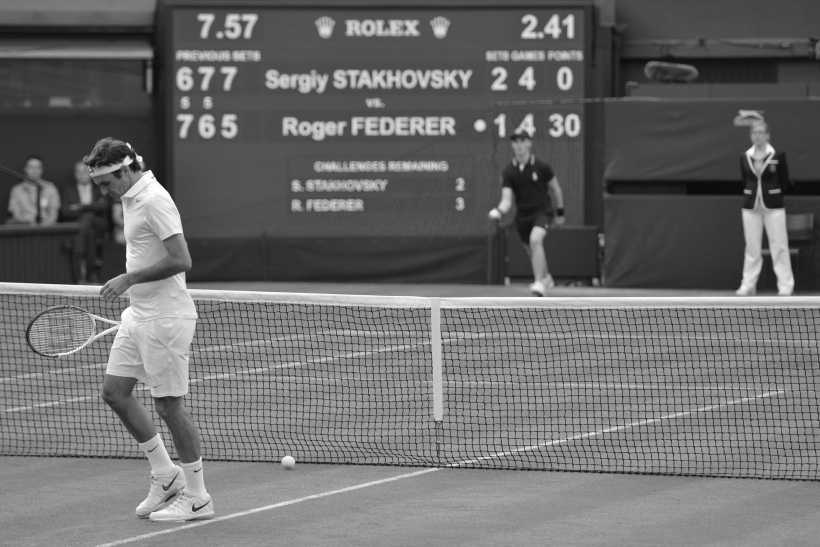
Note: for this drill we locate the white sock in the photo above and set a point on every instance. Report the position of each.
(194, 479)
(154, 449)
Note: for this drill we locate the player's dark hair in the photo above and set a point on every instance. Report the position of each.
(33, 157)
(110, 151)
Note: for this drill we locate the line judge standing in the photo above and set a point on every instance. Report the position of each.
(154, 339)
(765, 176)
(533, 185)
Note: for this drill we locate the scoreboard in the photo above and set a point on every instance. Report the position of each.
(372, 121)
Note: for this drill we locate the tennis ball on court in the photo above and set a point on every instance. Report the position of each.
(288, 462)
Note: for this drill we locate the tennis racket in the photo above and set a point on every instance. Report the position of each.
(63, 330)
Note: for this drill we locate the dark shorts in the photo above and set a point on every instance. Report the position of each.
(525, 224)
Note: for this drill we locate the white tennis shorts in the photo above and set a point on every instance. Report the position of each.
(155, 352)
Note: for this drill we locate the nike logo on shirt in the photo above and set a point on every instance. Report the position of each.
(165, 488)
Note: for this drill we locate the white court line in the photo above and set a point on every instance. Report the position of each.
(63, 402)
(33, 375)
(613, 385)
(269, 507)
(205, 349)
(251, 344)
(600, 432)
(293, 364)
(310, 336)
(457, 336)
(456, 383)
(431, 470)
(448, 338)
(316, 361)
(453, 335)
(209, 349)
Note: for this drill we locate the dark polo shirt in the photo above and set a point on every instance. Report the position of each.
(530, 184)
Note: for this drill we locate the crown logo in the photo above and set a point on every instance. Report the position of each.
(440, 26)
(325, 26)
(746, 118)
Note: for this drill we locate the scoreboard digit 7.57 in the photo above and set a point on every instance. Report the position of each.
(335, 121)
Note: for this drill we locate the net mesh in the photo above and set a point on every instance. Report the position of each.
(670, 386)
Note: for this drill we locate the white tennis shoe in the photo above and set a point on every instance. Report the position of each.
(186, 507)
(163, 490)
(548, 281)
(745, 291)
(539, 288)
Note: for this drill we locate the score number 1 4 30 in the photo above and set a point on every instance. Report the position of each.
(560, 125)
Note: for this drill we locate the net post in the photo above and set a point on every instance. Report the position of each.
(438, 388)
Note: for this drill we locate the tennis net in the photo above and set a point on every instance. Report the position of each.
(681, 386)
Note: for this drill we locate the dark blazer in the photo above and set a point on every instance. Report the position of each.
(100, 205)
(773, 179)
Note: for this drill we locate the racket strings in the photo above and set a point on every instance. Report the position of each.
(61, 331)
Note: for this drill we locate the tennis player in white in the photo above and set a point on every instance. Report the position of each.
(153, 342)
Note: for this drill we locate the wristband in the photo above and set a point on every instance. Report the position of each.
(559, 211)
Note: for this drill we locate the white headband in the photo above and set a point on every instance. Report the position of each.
(101, 170)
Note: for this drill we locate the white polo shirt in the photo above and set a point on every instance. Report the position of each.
(150, 217)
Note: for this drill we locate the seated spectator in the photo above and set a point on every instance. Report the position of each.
(82, 202)
(34, 201)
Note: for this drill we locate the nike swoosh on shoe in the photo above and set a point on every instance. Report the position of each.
(170, 483)
(194, 508)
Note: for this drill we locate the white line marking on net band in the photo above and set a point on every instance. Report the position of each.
(613, 429)
(269, 507)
